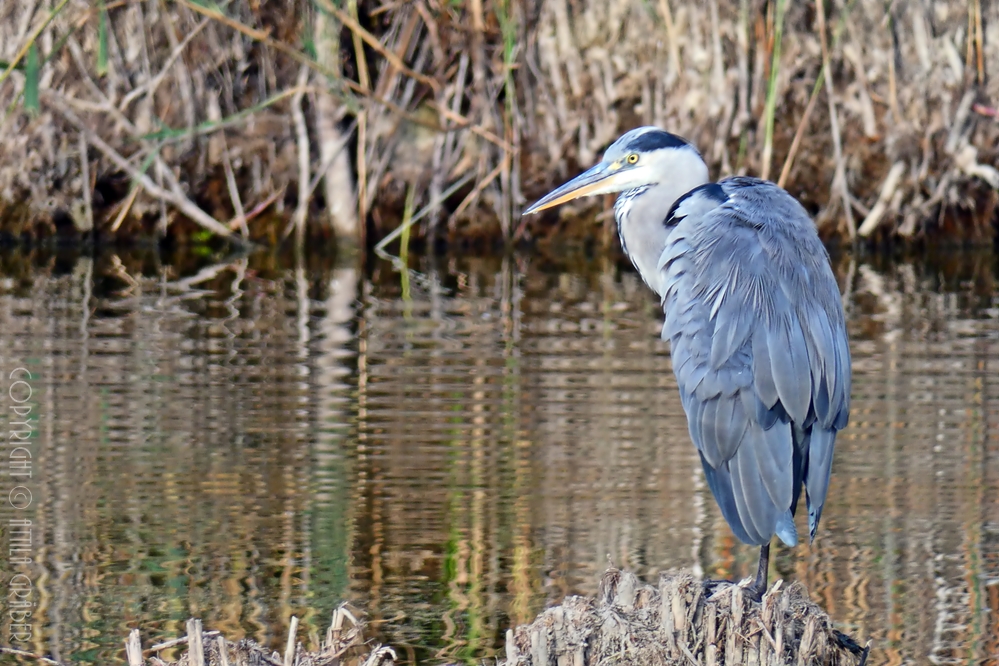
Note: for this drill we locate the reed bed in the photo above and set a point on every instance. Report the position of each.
(257, 118)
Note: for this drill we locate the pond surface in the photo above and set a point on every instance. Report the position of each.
(453, 448)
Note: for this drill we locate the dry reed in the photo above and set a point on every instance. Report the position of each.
(343, 645)
(120, 112)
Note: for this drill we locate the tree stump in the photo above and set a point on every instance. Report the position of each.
(684, 621)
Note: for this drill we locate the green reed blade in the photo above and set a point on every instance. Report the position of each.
(31, 75)
(171, 134)
(102, 40)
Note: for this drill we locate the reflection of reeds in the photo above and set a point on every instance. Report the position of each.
(154, 422)
(604, 464)
(239, 441)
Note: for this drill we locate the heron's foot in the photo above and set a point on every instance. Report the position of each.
(711, 586)
(755, 591)
(751, 591)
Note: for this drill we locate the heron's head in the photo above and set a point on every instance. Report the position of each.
(642, 157)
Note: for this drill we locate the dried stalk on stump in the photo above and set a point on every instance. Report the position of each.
(344, 646)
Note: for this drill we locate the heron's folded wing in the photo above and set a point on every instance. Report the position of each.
(758, 343)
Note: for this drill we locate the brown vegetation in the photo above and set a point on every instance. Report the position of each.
(882, 118)
(682, 622)
(343, 645)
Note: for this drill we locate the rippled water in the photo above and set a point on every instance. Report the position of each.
(454, 447)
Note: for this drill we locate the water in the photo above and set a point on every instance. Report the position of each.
(453, 449)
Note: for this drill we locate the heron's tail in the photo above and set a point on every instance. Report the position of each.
(820, 455)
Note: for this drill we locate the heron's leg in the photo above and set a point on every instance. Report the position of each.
(759, 586)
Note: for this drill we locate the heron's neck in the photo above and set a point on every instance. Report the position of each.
(641, 215)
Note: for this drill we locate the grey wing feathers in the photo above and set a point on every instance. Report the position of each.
(759, 350)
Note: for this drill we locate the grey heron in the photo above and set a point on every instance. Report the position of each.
(755, 323)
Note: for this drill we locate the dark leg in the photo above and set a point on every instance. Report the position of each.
(759, 586)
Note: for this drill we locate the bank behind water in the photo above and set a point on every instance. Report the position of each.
(291, 118)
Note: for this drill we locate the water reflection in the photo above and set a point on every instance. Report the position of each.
(452, 449)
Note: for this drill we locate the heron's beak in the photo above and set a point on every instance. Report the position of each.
(601, 179)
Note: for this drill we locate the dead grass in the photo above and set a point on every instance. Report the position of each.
(127, 111)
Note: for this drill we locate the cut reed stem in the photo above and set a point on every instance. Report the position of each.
(771, 105)
(839, 179)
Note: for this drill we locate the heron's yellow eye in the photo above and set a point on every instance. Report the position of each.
(633, 158)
